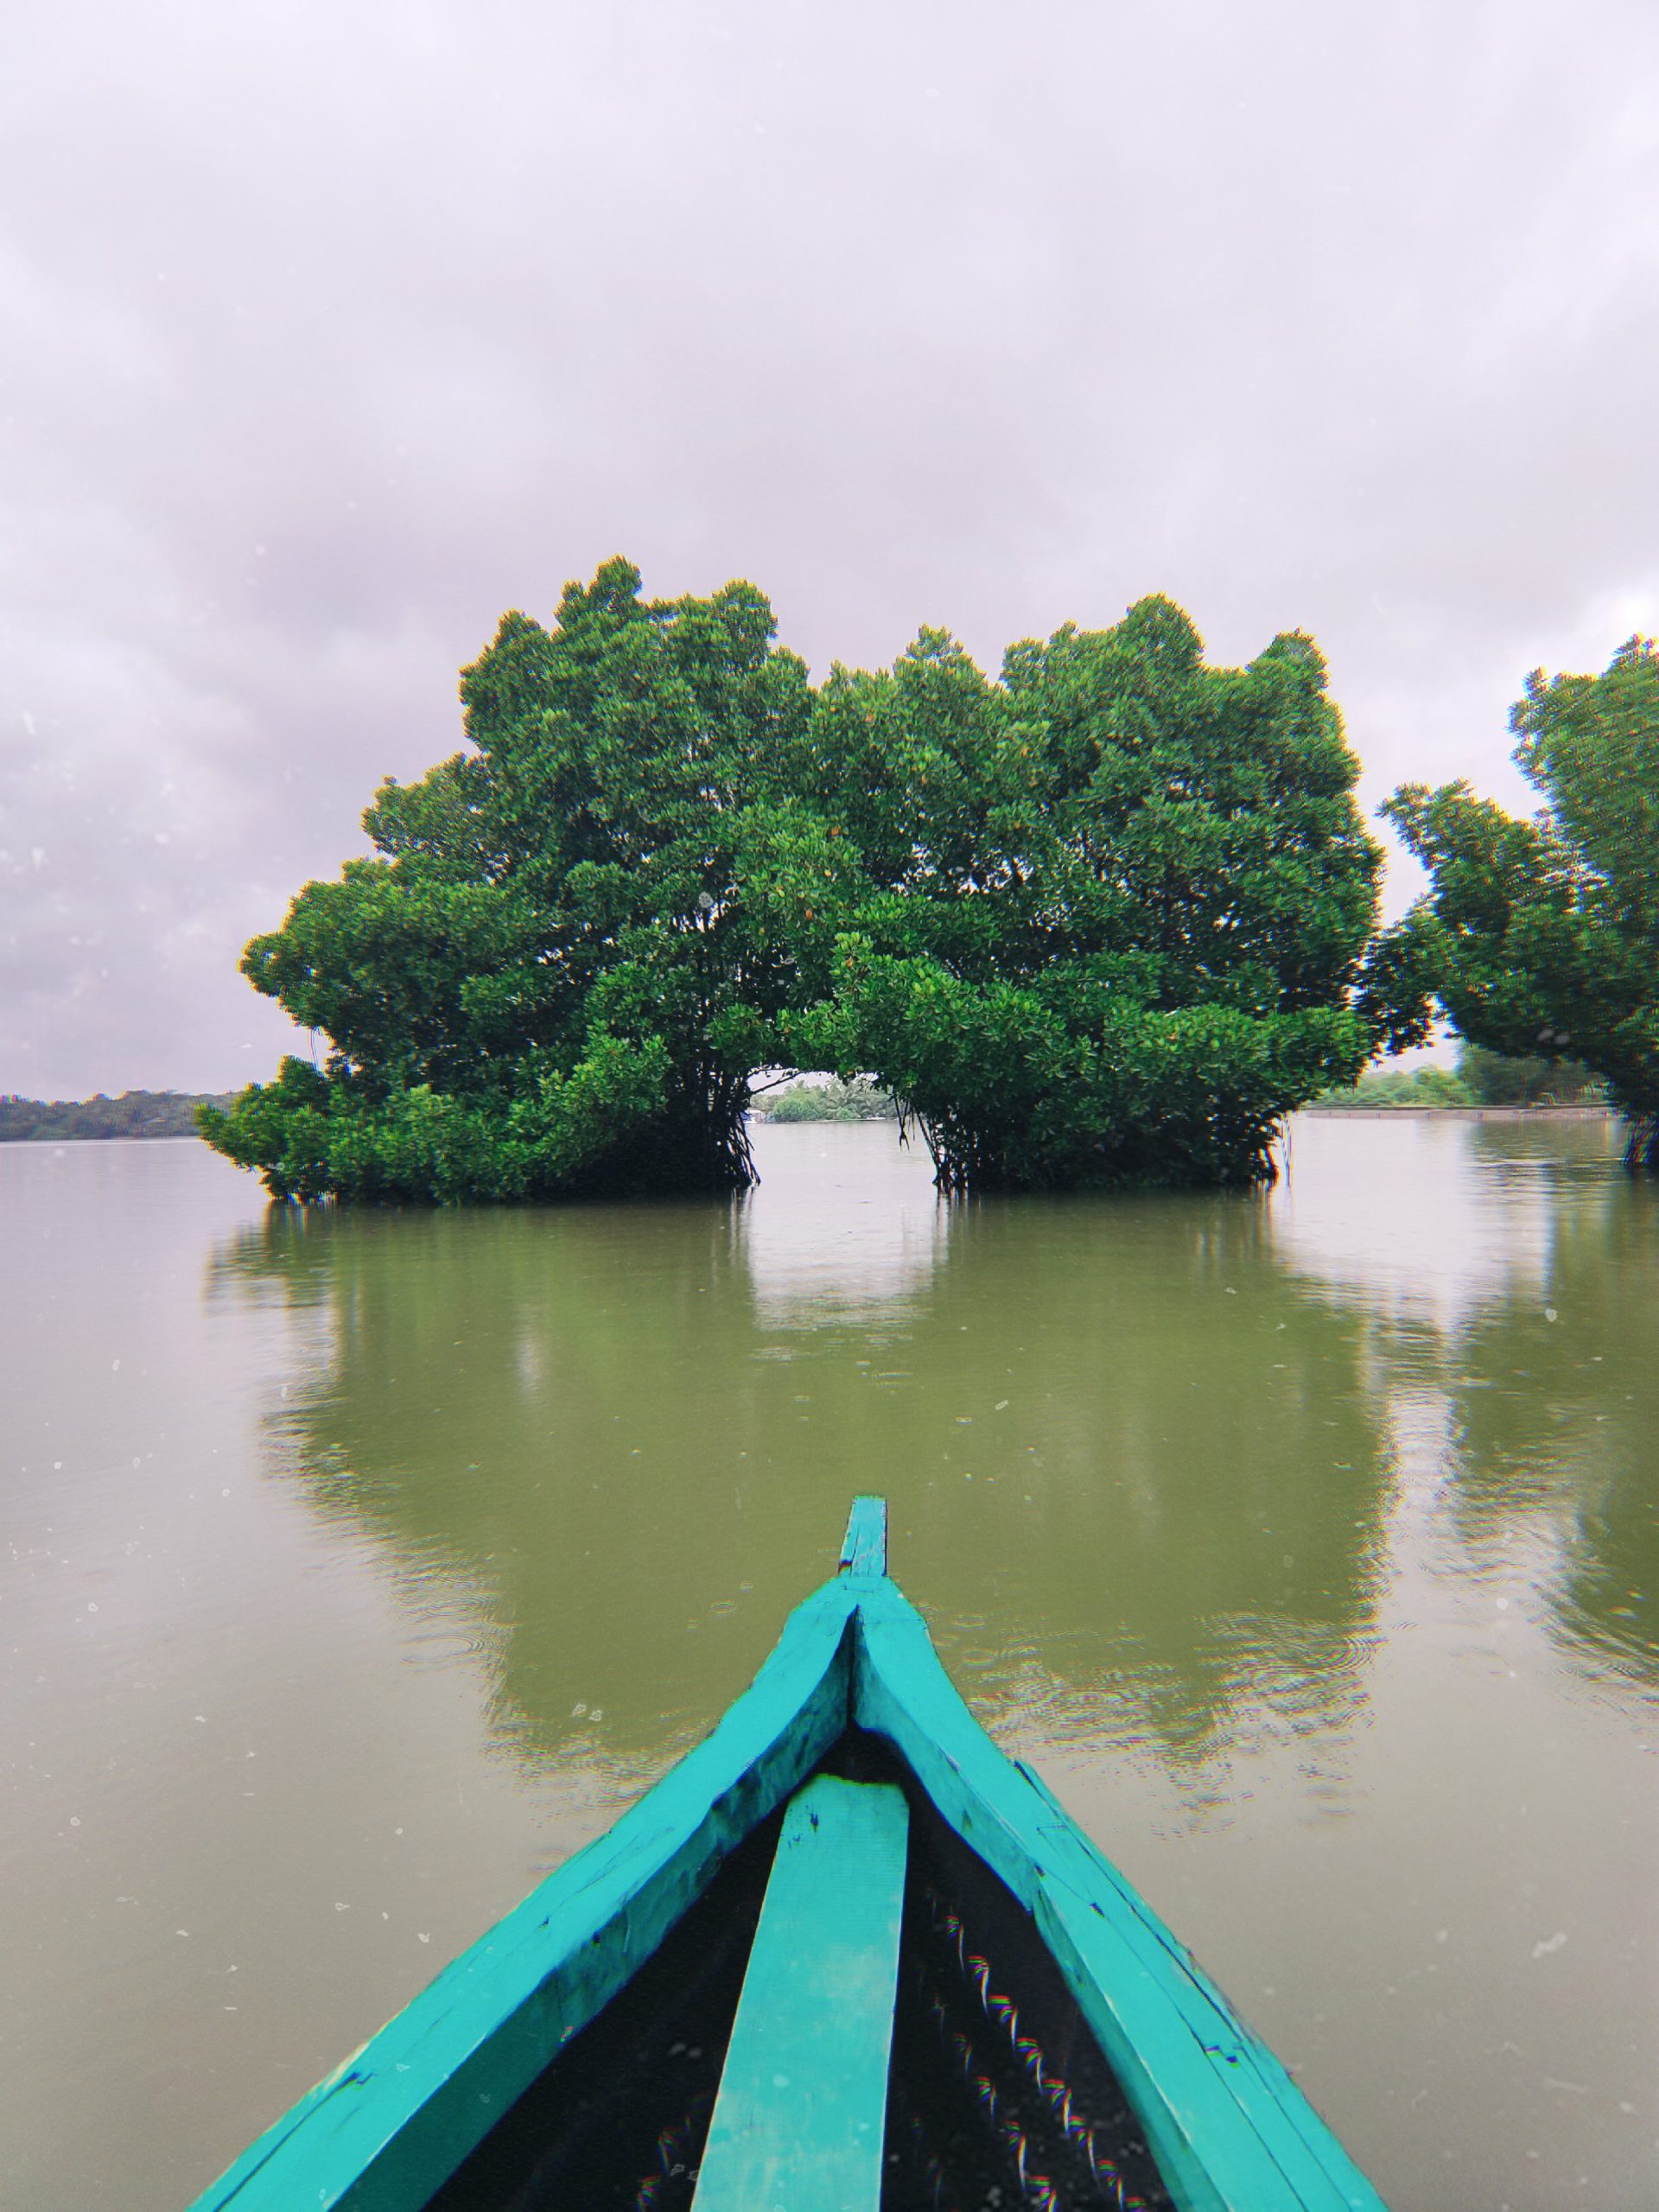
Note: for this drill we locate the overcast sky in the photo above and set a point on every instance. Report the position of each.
(330, 331)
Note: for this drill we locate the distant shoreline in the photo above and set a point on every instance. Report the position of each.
(162, 1135)
(142, 1136)
(148, 1115)
(1600, 1111)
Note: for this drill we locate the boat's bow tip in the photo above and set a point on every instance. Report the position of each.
(864, 1550)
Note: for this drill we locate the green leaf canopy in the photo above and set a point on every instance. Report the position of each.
(1099, 921)
(549, 980)
(1118, 905)
(1541, 937)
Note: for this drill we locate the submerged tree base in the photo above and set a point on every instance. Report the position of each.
(1197, 1158)
(313, 1138)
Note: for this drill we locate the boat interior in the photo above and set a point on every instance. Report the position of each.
(997, 2095)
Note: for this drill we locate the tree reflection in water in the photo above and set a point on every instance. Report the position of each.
(1149, 1459)
(1137, 1477)
(1510, 1270)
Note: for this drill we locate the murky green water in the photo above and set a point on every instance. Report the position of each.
(358, 1567)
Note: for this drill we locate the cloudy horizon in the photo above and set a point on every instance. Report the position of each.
(330, 334)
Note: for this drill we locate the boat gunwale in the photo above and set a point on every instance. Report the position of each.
(388, 2128)
(1229, 2130)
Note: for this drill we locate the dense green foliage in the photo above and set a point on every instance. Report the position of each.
(1099, 921)
(557, 973)
(1541, 937)
(1117, 908)
(134, 1113)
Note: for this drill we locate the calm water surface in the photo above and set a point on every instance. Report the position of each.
(356, 1568)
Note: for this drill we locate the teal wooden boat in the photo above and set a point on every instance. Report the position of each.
(844, 1957)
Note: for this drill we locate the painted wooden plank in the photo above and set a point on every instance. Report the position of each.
(387, 2128)
(1229, 2130)
(865, 1550)
(798, 2122)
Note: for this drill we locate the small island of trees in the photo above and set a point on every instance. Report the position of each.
(1103, 920)
(1100, 920)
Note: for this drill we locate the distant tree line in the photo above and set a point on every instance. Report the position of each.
(832, 1100)
(134, 1113)
(1480, 1078)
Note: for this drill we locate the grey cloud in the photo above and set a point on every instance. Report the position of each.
(331, 332)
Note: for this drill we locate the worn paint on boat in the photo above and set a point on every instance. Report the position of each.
(424, 2113)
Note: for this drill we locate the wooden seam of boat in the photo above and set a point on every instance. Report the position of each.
(1227, 2128)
